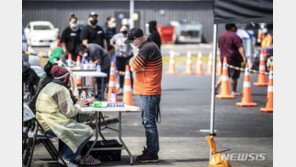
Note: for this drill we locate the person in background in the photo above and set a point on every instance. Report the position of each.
(70, 38)
(247, 39)
(154, 35)
(93, 33)
(231, 47)
(123, 52)
(43, 82)
(147, 66)
(99, 56)
(110, 31)
(55, 108)
(57, 52)
(266, 39)
(30, 78)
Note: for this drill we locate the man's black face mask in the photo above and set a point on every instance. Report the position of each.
(94, 22)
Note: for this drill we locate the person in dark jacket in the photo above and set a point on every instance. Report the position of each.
(30, 78)
(154, 35)
(110, 31)
(47, 79)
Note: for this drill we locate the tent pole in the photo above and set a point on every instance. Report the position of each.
(213, 80)
(132, 7)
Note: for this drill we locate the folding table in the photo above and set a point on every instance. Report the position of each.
(98, 115)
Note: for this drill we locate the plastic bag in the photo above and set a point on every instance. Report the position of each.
(217, 160)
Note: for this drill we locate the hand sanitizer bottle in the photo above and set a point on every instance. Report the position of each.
(99, 67)
(112, 97)
(83, 95)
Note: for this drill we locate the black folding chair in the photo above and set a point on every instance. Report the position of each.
(33, 132)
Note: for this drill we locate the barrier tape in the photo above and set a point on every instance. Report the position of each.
(242, 70)
(120, 72)
(34, 54)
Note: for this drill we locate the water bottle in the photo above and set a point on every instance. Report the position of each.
(76, 93)
(83, 95)
(99, 67)
(112, 97)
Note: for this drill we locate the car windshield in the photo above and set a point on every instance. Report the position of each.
(41, 27)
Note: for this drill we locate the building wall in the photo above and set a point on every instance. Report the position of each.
(58, 12)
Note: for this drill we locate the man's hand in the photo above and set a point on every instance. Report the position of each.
(130, 63)
(98, 61)
(242, 53)
(245, 60)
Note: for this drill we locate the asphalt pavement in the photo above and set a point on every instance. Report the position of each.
(185, 110)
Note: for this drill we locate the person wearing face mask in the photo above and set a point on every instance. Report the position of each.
(231, 47)
(98, 55)
(110, 31)
(147, 65)
(154, 35)
(70, 38)
(55, 107)
(123, 53)
(93, 33)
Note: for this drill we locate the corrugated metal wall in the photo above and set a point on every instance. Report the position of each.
(58, 12)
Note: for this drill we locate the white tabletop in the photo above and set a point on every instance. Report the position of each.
(89, 73)
(110, 109)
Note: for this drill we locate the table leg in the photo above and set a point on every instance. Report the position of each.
(95, 141)
(102, 88)
(101, 117)
(125, 147)
(96, 89)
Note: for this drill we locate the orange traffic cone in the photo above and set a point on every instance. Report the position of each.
(224, 91)
(199, 70)
(188, 70)
(219, 69)
(261, 76)
(70, 60)
(246, 98)
(210, 63)
(127, 89)
(112, 82)
(172, 68)
(78, 79)
(269, 99)
(78, 60)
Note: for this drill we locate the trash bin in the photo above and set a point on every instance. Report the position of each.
(166, 33)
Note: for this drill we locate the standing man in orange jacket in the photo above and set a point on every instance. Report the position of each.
(147, 66)
(267, 39)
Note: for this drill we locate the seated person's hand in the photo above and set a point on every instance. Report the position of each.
(90, 100)
(82, 103)
(73, 63)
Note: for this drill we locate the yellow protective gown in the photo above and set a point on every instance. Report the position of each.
(54, 108)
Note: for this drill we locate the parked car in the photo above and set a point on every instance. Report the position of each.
(41, 33)
(187, 32)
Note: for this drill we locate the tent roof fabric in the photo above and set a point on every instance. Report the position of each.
(243, 11)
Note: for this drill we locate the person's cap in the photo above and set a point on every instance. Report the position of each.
(133, 34)
(93, 14)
